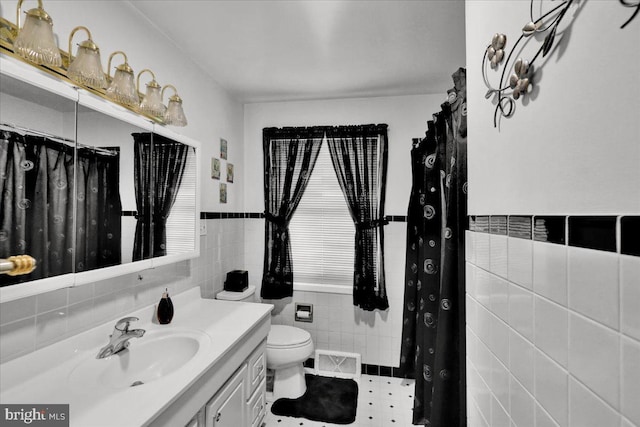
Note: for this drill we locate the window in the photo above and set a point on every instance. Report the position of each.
(322, 231)
(180, 223)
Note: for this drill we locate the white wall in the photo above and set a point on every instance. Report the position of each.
(551, 337)
(337, 324)
(572, 146)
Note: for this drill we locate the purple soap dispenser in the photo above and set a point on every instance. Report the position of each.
(165, 309)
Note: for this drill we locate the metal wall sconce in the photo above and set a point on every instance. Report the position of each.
(122, 88)
(175, 114)
(35, 41)
(86, 67)
(152, 100)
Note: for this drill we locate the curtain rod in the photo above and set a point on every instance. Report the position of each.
(12, 127)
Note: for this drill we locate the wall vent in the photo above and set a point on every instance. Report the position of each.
(337, 364)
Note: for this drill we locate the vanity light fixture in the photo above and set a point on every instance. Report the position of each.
(86, 68)
(152, 100)
(122, 88)
(35, 41)
(175, 114)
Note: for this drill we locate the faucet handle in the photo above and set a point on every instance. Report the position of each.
(125, 321)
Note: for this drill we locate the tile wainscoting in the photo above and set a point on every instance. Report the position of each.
(553, 326)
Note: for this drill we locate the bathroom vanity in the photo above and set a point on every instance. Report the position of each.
(207, 368)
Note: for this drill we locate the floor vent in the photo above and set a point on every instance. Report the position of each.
(337, 364)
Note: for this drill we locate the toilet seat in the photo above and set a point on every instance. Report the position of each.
(283, 336)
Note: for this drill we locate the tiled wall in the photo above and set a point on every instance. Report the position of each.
(337, 324)
(31, 323)
(553, 330)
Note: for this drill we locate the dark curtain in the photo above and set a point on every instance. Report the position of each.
(99, 210)
(289, 157)
(359, 156)
(158, 169)
(433, 340)
(36, 216)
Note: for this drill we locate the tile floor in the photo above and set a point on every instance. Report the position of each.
(382, 402)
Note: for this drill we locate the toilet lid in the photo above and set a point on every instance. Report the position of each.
(287, 336)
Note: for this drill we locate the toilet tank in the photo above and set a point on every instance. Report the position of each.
(248, 295)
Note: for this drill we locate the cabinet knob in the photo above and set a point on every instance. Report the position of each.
(218, 416)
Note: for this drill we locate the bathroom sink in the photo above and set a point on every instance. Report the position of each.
(157, 354)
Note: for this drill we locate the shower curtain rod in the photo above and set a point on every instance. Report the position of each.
(12, 127)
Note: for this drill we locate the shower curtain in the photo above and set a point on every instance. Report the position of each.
(433, 330)
(36, 214)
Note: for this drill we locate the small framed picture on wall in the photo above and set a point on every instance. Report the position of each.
(229, 172)
(215, 168)
(223, 148)
(223, 192)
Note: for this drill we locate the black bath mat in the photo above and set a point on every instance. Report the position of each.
(329, 400)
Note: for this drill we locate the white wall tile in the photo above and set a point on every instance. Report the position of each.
(17, 309)
(543, 419)
(500, 339)
(499, 417)
(470, 246)
(520, 266)
(587, 410)
(498, 255)
(552, 329)
(17, 338)
(484, 280)
(630, 295)
(631, 380)
(594, 286)
(500, 381)
(499, 298)
(550, 271)
(522, 405)
(521, 361)
(51, 300)
(552, 388)
(594, 357)
(482, 251)
(50, 326)
(521, 310)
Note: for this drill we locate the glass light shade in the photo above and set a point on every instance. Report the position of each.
(35, 41)
(123, 88)
(86, 68)
(152, 101)
(175, 114)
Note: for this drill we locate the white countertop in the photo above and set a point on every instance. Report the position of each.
(42, 377)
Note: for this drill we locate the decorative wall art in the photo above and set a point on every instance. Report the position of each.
(521, 70)
(229, 172)
(223, 148)
(223, 192)
(215, 168)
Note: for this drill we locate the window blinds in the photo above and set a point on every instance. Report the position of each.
(322, 231)
(181, 222)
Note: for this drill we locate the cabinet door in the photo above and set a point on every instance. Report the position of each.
(227, 408)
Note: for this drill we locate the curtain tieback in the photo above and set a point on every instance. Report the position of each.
(276, 220)
(368, 225)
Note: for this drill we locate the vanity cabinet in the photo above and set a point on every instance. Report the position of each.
(241, 401)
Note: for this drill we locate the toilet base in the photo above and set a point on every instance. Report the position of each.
(289, 382)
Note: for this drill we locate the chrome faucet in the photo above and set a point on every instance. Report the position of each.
(119, 339)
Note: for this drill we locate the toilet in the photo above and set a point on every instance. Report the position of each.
(287, 348)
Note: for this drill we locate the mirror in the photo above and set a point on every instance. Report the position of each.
(89, 189)
(106, 213)
(37, 140)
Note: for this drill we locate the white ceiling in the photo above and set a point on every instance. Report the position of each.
(291, 50)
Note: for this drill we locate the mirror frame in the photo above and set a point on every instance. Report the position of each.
(28, 74)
